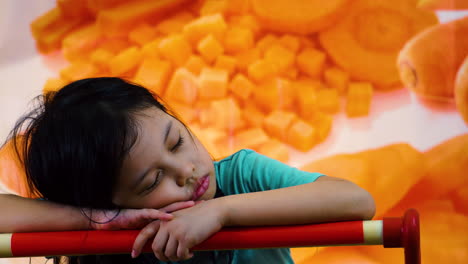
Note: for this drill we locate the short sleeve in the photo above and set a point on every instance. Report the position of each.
(247, 171)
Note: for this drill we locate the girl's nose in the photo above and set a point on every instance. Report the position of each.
(184, 173)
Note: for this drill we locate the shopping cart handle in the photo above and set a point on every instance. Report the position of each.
(389, 232)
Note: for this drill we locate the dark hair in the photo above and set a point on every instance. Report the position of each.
(73, 144)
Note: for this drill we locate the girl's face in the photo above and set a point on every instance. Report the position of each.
(165, 165)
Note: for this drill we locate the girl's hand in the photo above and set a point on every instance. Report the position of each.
(132, 218)
(188, 228)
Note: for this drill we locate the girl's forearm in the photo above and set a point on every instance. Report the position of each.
(325, 200)
(28, 215)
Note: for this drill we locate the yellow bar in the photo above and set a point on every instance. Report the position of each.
(5, 246)
(373, 232)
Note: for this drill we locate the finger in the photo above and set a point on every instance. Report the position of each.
(153, 214)
(171, 249)
(159, 245)
(183, 253)
(177, 206)
(144, 236)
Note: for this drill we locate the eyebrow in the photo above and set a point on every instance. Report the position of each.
(145, 173)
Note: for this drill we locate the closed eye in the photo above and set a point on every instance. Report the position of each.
(155, 182)
(178, 144)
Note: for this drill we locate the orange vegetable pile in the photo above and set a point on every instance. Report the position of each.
(400, 177)
(230, 67)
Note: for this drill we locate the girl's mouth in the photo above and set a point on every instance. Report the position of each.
(201, 187)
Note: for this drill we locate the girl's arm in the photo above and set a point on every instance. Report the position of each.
(325, 200)
(29, 215)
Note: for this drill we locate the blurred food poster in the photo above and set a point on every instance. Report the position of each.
(373, 91)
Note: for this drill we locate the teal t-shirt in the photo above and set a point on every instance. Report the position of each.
(247, 171)
(244, 172)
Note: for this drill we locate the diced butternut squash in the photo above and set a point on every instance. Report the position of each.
(311, 62)
(101, 57)
(275, 149)
(252, 115)
(210, 48)
(154, 74)
(78, 70)
(323, 124)
(195, 64)
(358, 100)
(183, 87)
(337, 79)
(142, 34)
(125, 61)
(246, 21)
(223, 114)
(241, 86)
(227, 63)
(80, 42)
(46, 21)
(328, 100)
(246, 58)
(277, 123)
(274, 94)
(250, 138)
(210, 7)
(279, 57)
(266, 41)
(261, 70)
(203, 26)
(175, 49)
(53, 85)
(291, 42)
(212, 83)
(151, 49)
(301, 135)
(238, 39)
(306, 98)
(175, 23)
(185, 112)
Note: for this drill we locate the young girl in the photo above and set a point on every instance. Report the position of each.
(106, 154)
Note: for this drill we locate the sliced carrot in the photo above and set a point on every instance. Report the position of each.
(461, 90)
(210, 48)
(175, 23)
(358, 100)
(183, 87)
(298, 16)
(212, 83)
(74, 9)
(443, 4)
(121, 18)
(367, 40)
(433, 76)
(154, 75)
(278, 122)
